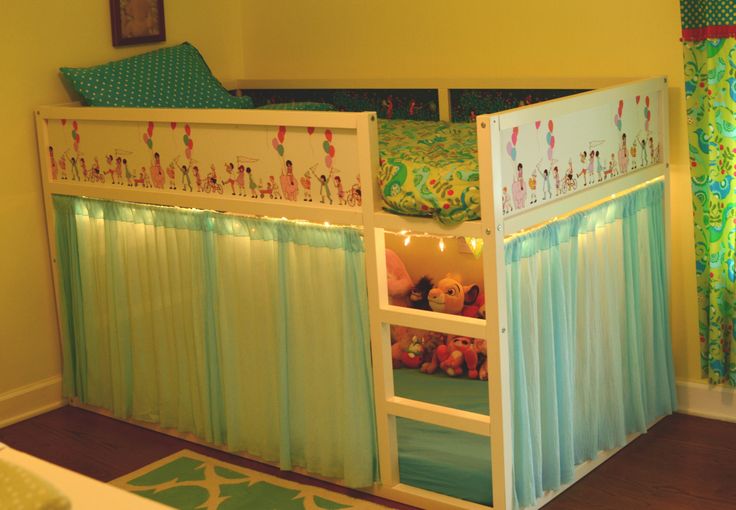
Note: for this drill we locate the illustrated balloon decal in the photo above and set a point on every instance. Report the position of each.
(75, 135)
(511, 145)
(173, 125)
(647, 113)
(63, 122)
(278, 142)
(328, 148)
(617, 118)
(550, 140)
(310, 130)
(537, 124)
(188, 141)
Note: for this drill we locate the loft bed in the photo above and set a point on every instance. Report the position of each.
(271, 151)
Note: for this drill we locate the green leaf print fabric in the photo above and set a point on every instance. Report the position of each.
(710, 87)
(430, 169)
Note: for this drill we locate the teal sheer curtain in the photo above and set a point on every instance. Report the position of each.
(590, 344)
(249, 333)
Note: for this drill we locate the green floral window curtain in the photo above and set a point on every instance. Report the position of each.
(708, 28)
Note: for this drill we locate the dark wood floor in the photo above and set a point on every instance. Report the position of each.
(683, 463)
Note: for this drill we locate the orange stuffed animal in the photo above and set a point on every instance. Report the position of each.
(454, 356)
(451, 296)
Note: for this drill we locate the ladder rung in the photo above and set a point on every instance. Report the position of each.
(439, 415)
(433, 321)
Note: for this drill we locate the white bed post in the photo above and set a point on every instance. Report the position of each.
(376, 278)
(494, 281)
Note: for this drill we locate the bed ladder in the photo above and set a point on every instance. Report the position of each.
(497, 426)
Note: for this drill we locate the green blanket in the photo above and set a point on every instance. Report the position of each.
(430, 169)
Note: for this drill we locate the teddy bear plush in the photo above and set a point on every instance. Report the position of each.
(453, 357)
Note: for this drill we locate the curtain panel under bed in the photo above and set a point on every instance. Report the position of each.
(590, 344)
(249, 333)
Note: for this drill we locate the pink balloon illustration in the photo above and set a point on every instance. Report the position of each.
(75, 126)
(537, 124)
(190, 145)
(328, 135)
(620, 107)
(173, 125)
(646, 100)
(187, 129)
(282, 133)
(514, 135)
(63, 122)
(549, 153)
(552, 143)
(150, 129)
(275, 143)
(637, 99)
(509, 148)
(310, 130)
(188, 153)
(145, 137)
(328, 161)
(550, 125)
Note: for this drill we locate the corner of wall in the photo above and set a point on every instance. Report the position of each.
(698, 398)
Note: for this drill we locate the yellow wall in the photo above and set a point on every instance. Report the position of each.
(538, 40)
(38, 37)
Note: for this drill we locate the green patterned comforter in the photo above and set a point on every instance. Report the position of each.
(429, 169)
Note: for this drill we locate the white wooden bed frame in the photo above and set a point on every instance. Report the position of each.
(492, 228)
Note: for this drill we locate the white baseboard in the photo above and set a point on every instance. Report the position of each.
(30, 400)
(702, 399)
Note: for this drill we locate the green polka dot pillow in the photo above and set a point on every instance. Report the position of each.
(175, 77)
(21, 489)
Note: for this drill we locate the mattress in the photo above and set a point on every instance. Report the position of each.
(443, 460)
(429, 169)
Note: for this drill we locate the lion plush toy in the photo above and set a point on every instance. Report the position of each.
(451, 296)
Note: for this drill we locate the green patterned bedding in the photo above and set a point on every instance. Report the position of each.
(429, 169)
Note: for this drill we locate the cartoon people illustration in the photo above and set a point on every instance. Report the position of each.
(506, 201)
(171, 174)
(119, 170)
(570, 182)
(252, 186)
(62, 167)
(288, 182)
(546, 186)
(340, 190)
(644, 158)
(306, 181)
(652, 157)
(532, 182)
(240, 180)
(355, 195)
(623, 155)
(52, 158)
(128, 174)
(599, 168)
(611, 167)
(197, 178)
(275, 193)
(110, 168)
(388, 104)
(518, 190)
(85, 171)
(230, 169)
(142, 179)
(185, 180)
(556, 175)
(156, 172)
(324, 186)
(75, 168)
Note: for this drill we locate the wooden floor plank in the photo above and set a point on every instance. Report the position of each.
(682, 463)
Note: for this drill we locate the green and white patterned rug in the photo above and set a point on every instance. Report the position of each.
(190, 481)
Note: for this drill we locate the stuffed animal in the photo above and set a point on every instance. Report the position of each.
(419, 296)
(453, 356)
(479, 346)
(397, 279)
(451, 296)
(402, 338)
(413, 356)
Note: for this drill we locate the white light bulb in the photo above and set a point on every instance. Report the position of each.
(442, 245)
(407, 240)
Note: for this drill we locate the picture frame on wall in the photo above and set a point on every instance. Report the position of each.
(137, 21)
